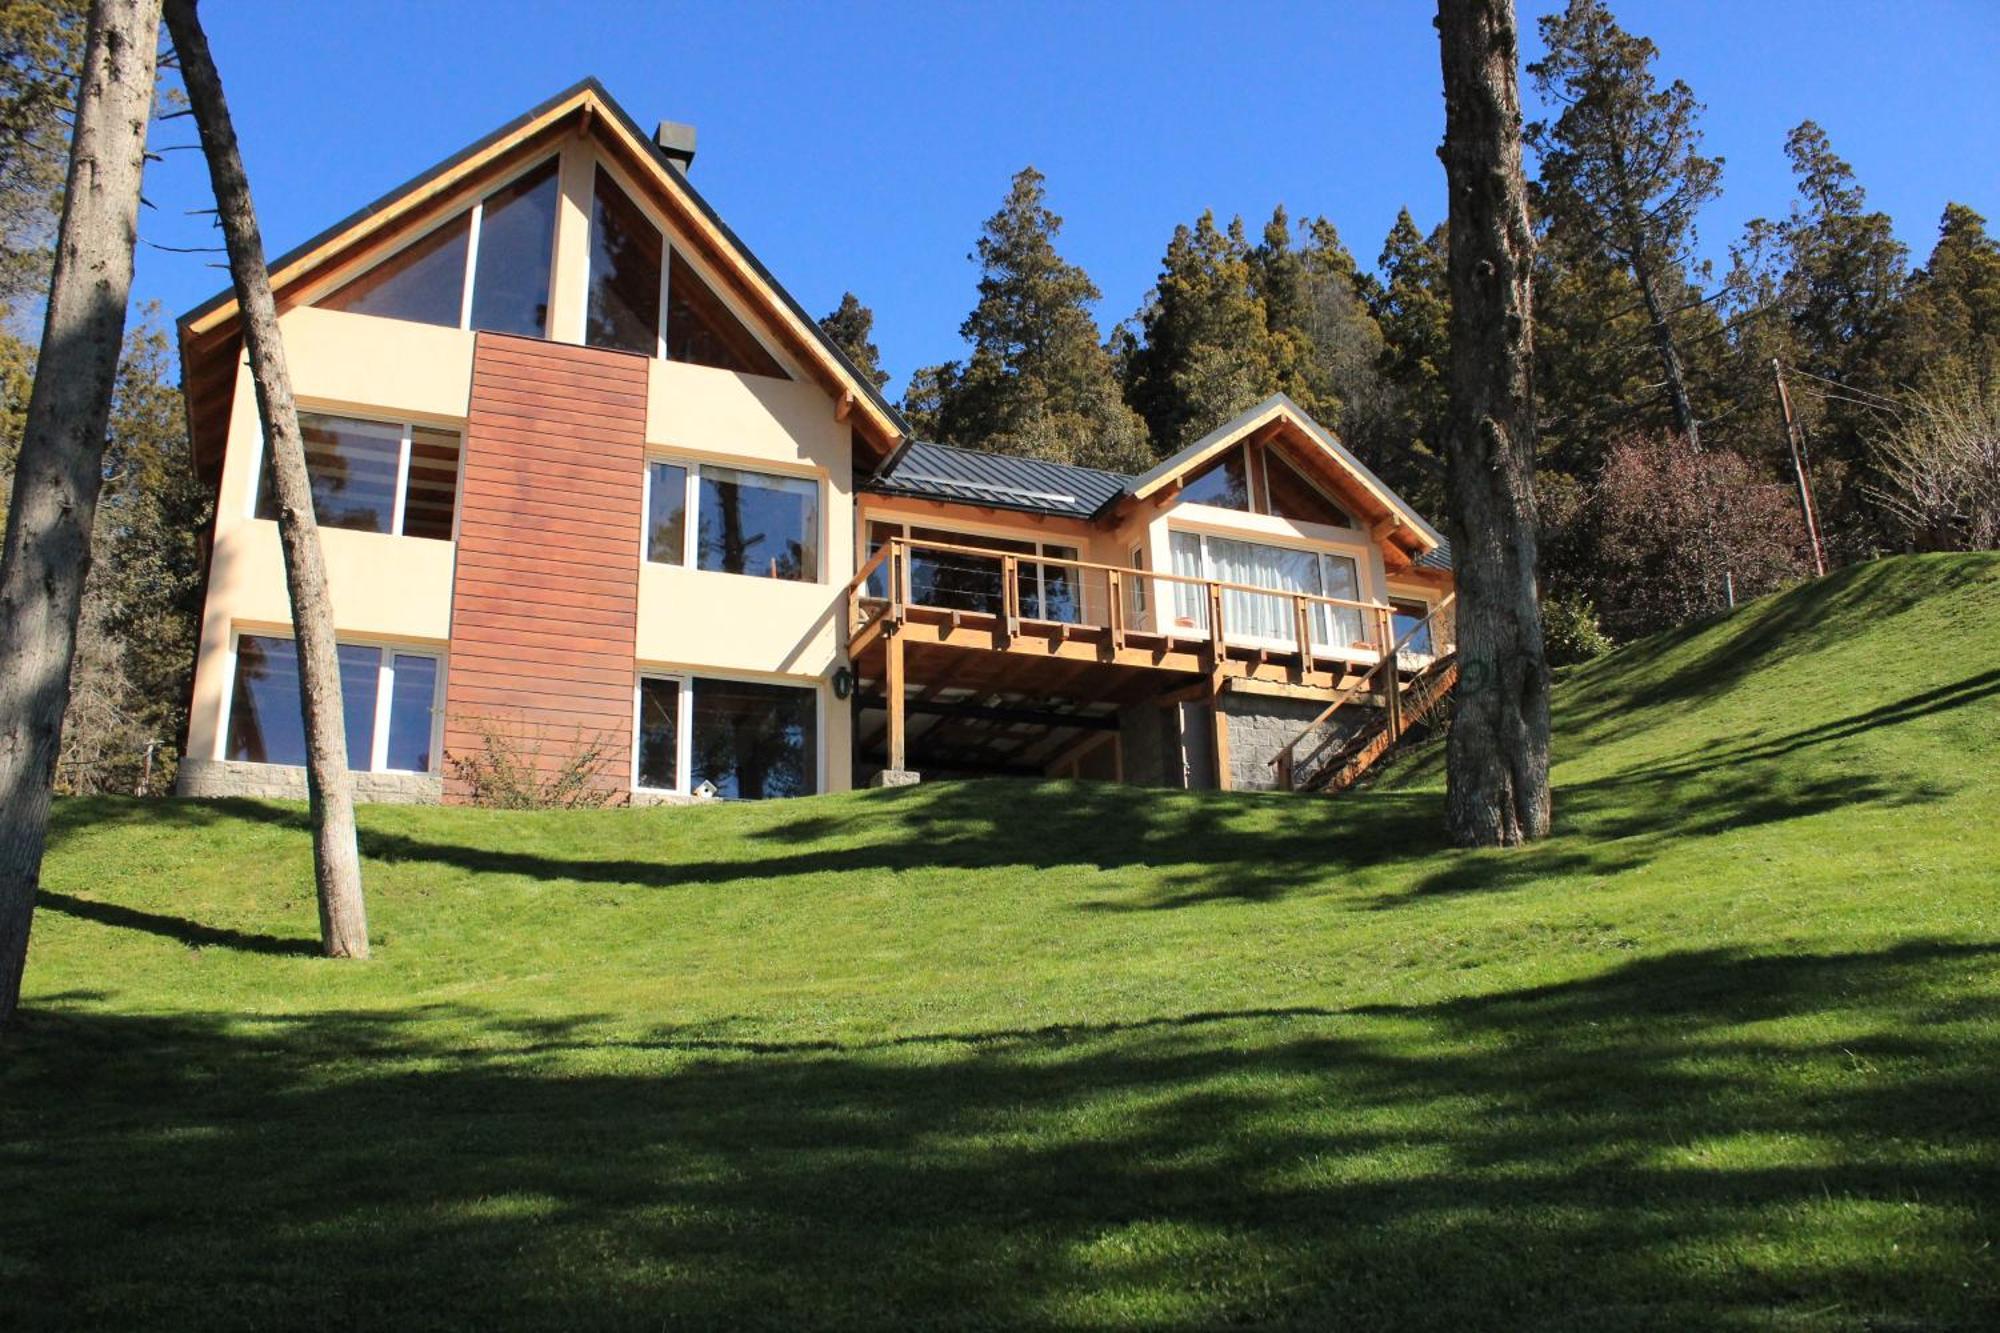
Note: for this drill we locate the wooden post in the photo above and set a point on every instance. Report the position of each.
(1792, 433)
(893, 688)
(1116, 609)
(1010, 598)
(899, 580)
(1302, 627)
(1219, 721)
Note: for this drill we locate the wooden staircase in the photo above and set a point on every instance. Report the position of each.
(1420, 698)
(1403, 706)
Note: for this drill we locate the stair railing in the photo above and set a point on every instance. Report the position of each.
(1286, 759)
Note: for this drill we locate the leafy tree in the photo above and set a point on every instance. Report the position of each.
(1039, 381)
(142, 602)
(1951, 309)
(1412, 309)
(1677, 530)
(41, 48)
(1317, 298)
(1622, 175)
(1206, 349)
(851, 325)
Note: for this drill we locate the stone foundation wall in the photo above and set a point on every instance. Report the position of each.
(1259, 727)
(287, 782)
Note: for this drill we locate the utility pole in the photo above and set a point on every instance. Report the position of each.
(1792, 433)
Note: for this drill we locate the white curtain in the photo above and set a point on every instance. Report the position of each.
(1284, 570)
(1190, 599)
(1338, 626)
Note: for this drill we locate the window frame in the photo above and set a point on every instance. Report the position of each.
(407, 428)
(692, 465)
(385, 682)
(688, 679)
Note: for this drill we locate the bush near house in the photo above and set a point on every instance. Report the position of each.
(1722, 1052)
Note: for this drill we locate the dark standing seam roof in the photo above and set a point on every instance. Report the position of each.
(1437, 559)
(997, 481)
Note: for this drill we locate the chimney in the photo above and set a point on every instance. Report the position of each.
(677, 142)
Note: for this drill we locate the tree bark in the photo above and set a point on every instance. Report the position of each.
(60, 468)
(343, 920)
(1668, 351)
(1497, 759)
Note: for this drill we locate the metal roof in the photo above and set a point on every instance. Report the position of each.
(998, 481)
(1437, 558)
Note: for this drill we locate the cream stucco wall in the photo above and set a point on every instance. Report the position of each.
(382, 587)
(399, 588)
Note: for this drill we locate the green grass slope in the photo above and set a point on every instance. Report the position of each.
(1725, 1052)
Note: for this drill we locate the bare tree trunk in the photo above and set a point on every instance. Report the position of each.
(343, 920)
(60, 469)
(1497, 760)
(1668, 352)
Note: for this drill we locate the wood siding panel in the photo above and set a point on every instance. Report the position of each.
(545, 595)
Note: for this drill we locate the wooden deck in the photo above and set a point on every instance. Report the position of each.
(998, 669)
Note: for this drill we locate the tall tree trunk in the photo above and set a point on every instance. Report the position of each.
(343, 921)
(60, 468)
(1669, 353)
(1497, 760)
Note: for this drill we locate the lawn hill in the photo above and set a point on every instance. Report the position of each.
(1722, 1052)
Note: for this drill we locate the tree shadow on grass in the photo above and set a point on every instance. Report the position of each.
(1707, 1138)
(191, 933)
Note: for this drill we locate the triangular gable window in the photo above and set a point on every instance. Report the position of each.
(625, 257)
(1296, 497)
(425, 281)
(1224, 484)
(702, 331)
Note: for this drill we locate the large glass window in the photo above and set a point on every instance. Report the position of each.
(659, 763)
(760, 524)
(746, 739)
(1224, 484)
(1412, 618)
(971, 581)
(517, 230)
(666, 513)
(507, 240)
(375, 476)
(1283, 569)
(754, 741)
(625, 252)
(266, 725)
(424, 282)
(702, 331)
(1296, 497)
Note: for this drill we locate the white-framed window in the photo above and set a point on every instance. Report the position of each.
(389, 696)
(747, 739)
(958, 581)
(732, 520)
(394, 477)
(1285, 570)
(486, 268)
(1408, 615)
(1139, 584)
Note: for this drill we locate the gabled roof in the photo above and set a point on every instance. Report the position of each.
(1279, 415)
(998, 481)
(209, 334)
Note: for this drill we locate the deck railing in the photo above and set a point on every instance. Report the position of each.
(1017, 588)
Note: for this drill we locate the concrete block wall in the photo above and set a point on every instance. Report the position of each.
(1259, 727)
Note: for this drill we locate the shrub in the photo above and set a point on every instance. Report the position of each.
(1941, 463)
(1570, 633)
(521, 766)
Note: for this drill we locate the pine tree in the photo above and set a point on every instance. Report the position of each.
(1951, 311)
(1622, 175)
(1328, 345)
(1205, 349)
(851, 325)
(1039, 381)
(41, 46)
(1412, 308)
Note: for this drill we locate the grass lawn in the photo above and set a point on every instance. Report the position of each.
(1723, 1052)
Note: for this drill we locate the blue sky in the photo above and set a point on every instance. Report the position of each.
(860, 146)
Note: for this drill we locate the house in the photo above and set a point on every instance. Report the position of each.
(585, 473)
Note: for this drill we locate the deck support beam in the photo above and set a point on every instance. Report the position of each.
(893, 687)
